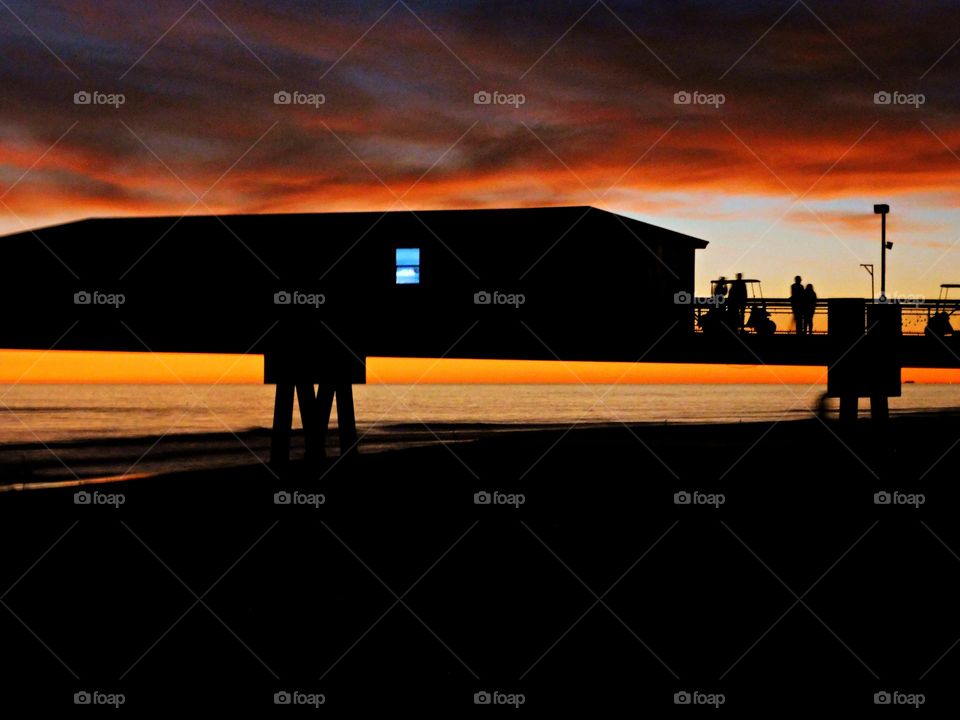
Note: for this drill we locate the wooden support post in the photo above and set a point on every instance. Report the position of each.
(848, 409)
(282, 425)
(308, 416)
(346, 420)
(323, 407)
(315, 408)
(879, 408)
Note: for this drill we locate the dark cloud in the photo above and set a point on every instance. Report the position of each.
(599, 91)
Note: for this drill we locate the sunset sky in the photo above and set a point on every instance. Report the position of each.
(780, 177)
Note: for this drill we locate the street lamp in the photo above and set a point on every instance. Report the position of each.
(882, 211)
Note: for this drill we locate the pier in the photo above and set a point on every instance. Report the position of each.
(317, 294)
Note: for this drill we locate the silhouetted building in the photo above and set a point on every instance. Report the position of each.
(315, 290)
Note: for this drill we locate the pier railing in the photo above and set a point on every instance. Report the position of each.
(916, 314)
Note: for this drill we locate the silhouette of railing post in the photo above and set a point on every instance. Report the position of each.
(346, 419)
(282, 424)
(324, 404)
(884, 332)
(309, 417)
(845, 329)
(863, 356)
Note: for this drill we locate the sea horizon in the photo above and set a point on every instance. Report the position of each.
(64, 432)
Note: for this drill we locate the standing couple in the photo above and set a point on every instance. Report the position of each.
(803, 302)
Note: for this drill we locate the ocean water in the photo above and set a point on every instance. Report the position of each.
(58, 431)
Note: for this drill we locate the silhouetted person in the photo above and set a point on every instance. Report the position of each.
(809, 309)
(939, 325)
(737, 301)
(796, 303)
(760, 321)
(720, 292)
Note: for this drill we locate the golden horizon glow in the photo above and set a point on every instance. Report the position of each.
(28, 367)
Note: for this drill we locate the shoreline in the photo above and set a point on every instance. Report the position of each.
(412, 428)
(199, 455)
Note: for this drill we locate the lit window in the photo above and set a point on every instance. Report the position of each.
(408, 266)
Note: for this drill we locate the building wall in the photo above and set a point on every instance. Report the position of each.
(593, 293)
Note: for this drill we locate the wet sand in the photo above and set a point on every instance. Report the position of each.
(56, 463)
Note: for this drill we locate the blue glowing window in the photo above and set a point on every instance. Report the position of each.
(408, 266)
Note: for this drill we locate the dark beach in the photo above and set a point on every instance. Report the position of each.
(582, 583)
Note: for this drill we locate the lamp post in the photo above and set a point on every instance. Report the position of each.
(882, 211)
